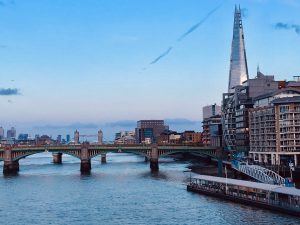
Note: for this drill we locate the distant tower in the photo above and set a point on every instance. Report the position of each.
(76, 137)
(68, 138)
(238, 62)
(58, 139)
(11, 134)
(100, 137)
(234, 111)
(1, 133)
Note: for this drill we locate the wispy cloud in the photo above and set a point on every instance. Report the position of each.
(122, 123)
(287, 26)
(162, 55)
(6, 2)
(69, 126)
(244, 12)
(9, 91)
(181, 121)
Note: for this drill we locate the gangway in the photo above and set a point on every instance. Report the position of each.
(259, 173)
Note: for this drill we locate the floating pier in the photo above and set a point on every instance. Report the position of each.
(268, 196)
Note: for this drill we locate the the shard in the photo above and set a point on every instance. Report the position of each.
(233, 100)
(238, 61)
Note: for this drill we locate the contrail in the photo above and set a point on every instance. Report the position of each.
(193, 28)
(162, 55)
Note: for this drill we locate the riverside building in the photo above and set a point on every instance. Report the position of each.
(274, 126)
(149, 130)
(212, 131)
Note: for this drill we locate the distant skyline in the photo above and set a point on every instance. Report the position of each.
(98, 62)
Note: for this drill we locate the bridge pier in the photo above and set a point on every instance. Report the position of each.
(103, 158)
(11, 168)
(154, 159)
(154, 165)
(85, 166)
(57, 158)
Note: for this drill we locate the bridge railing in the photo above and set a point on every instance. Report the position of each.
(259, 173)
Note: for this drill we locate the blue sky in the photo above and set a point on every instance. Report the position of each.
(83, 62)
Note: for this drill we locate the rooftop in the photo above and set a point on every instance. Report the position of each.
(295, 99)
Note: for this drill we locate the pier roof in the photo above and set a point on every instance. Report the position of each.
(250, 184)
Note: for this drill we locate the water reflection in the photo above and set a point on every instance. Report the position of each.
(122, 191)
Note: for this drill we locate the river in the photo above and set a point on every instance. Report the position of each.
(122, 191)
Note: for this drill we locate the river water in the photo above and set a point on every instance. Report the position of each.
(122, 191)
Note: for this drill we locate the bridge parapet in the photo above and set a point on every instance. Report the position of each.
(86, 152)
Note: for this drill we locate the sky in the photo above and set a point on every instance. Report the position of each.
(104, 64)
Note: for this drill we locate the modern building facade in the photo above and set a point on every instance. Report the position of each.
(212, 131)
(149, 130)
(212, 126)
(274, 125)
(23, 137)
(68, 138)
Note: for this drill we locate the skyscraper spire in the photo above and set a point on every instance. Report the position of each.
(238, 62)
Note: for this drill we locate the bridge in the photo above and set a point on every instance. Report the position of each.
(85, 152)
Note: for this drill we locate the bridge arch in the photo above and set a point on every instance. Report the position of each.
(123, 151)
(66, 153)
(167, 153)
(22, 156)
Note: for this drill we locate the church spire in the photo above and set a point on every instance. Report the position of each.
(238, 62)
